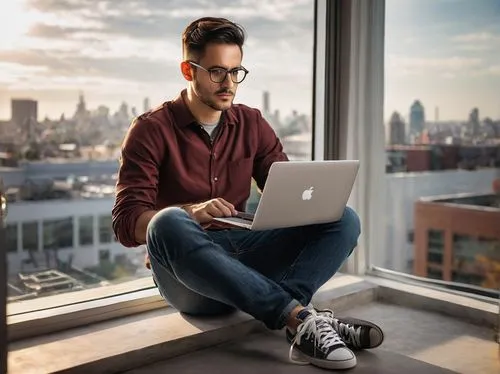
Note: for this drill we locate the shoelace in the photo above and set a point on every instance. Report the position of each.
(349, 333)
(324, 334)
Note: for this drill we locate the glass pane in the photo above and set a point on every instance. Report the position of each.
(442, 153)
(105, 229)
(11, 237)
(30, 236)
(62, 124)
(58, 234)
(476, 261)
(86, 230)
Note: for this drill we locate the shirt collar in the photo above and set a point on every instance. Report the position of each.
(184, 117)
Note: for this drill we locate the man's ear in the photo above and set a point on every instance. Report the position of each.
(186, 70)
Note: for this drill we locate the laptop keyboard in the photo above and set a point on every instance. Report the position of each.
(245, 216)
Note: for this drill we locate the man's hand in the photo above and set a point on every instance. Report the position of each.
(205, 212)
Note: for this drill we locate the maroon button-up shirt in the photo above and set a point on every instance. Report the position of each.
(168, 159)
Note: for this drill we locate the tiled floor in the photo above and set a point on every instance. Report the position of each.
(416, 342)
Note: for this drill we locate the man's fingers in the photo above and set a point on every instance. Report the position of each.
(222, 208)
(214, 210)
(228, 205)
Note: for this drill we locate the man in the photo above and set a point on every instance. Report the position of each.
(192, 160)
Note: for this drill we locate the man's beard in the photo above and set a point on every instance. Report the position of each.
(206, 99)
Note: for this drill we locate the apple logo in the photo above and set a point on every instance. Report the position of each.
(307, 194)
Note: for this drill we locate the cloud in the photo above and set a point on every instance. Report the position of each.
(492, 70)
(477, 42)
(495, 69)
(103, 39)
(421, 65)
(134, 46)
(154, 19)
(41, 30)
(476, 37)
(62, 64)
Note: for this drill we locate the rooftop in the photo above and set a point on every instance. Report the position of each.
(484, 200)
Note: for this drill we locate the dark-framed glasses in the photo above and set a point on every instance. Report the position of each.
(218, 75)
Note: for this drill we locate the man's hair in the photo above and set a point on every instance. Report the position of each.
(210, 30)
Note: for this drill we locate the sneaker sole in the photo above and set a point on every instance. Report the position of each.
(326, 364)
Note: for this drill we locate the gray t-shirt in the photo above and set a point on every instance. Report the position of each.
(210, 129)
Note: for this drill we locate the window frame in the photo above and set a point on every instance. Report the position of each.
(331, 139)
(102, 306)
(3, 297)
(86, 310)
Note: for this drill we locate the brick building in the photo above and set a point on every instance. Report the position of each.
(457, 238)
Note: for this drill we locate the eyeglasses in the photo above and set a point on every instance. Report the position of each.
(218, 75)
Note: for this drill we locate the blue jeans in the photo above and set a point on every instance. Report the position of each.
(263, 273)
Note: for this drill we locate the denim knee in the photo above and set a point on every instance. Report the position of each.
(167, 225)
(351, 227)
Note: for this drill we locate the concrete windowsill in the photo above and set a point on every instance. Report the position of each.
(138, 340)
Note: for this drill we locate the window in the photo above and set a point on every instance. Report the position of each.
(104, 256)
(442, 128)
(105, 229)
(73, 140)
(11, 236)
(435, 247)
(476, 260)
(86, 230)
(58, 234)
(434, 273)
(30, 236)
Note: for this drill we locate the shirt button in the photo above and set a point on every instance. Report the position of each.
(215, 179)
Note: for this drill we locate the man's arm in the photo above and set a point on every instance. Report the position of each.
(269, 150)
(143, 151)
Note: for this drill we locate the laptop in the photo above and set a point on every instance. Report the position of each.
(299, 193)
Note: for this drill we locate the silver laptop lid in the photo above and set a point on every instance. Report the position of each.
(301, 193)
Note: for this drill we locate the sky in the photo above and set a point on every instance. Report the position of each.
(126, 50)
(442, 52)
(446, 53)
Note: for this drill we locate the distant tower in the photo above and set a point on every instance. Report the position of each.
(81, 108)
(266, 107)
(24, 114)
(474, 121)
(22, 110)
(397, 133)
(123, 111)
(146, 105)
(436, 114)
(417, 118)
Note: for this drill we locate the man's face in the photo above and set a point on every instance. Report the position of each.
(218, 96)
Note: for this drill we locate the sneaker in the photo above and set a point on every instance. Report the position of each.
(317, 342)
(358, 333)
(355, 333)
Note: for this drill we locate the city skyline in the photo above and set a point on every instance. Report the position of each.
(440, 52)
(429, 114)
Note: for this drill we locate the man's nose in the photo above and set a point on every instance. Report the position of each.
(227, 82)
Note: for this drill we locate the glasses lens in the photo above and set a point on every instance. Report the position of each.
(218, 75)
(238, 75)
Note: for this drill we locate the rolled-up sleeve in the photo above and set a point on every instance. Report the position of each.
(269, 150)
(142, 153)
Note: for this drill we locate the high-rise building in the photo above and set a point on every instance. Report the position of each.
(81, 108)
(474, 123)
(397, 131)
(417, 119)
(24, 116)
(146, 105)
(23, 110)
(266, 106)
